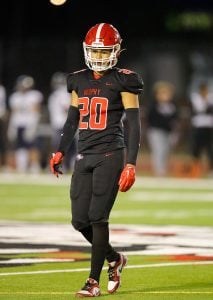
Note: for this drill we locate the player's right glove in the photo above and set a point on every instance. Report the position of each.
(55, 163)
(127, 178)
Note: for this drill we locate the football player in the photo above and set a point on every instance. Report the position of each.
(100, 95)
(25, 105)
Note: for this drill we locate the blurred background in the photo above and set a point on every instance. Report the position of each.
(169, 43)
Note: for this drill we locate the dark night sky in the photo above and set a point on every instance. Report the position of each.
(38, 38)
(27, 18)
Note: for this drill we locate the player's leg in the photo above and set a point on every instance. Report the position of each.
(197, 148)
(105, 188)
(111, 254)
(106, 174)
(108, 189)
(80, 194)
(209, 149)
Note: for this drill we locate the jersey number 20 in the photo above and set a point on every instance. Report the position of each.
(93, 113)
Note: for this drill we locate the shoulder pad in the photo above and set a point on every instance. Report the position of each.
(130, 81)
(72, 80)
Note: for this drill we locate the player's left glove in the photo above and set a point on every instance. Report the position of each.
(55, 163)
(127, 178)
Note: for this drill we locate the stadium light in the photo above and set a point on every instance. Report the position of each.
(57, 2)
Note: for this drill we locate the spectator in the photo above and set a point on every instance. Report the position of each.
(202, 127)
(58, 106)
(25, 109)
(3, 118)
(162, 131)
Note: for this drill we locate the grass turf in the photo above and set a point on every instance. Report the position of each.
(145, 204)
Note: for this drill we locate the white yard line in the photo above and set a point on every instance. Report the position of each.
(174, 183)
(152, 182)
(170, 196)
(104, 293)
(105, 268)
(161, 213)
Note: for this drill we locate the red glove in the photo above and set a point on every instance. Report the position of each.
(55, 163)
(127, 178)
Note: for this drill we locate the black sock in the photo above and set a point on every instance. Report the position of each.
(87, 233)
(111, 254)
(99, 244)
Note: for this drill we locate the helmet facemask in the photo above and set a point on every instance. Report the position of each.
(101, 64)
(102, 46)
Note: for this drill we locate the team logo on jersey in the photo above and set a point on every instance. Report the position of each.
(108, 83)
(108, 154)
(125, 71)
(79, 156)
(91, 92)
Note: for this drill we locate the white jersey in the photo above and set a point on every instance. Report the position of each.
(25, 113)
(58, 105)
(2, 101)
(201, 118)
(24, 108)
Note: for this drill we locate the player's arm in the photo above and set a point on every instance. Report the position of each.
(70, 126)
(131, 104)
(69, 130)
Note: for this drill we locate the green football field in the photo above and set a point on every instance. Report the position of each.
(164, 226)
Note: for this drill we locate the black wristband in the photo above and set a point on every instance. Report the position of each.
(69, 129)
(134, 134)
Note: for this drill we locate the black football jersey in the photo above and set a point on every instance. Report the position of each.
(101, 108)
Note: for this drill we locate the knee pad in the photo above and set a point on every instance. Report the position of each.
(79, 226)
(103, 223)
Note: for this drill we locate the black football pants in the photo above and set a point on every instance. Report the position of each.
(94, 187)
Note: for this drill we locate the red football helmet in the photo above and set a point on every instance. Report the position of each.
(102, 36)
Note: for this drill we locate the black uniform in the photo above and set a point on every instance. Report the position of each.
(101, 144)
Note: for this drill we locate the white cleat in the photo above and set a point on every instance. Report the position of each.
(114, 273)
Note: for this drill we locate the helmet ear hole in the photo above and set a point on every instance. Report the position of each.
(118, 50)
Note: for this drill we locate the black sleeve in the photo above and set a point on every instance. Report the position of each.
(134, 134)
(69, 129)
(71, 83)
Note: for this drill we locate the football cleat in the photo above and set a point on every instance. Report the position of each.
(114, 273)
(90, 289)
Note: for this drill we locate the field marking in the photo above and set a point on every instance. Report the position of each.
(162, 213)
(168, 196)
(141, 181)
(104, 293)
(105, 268)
